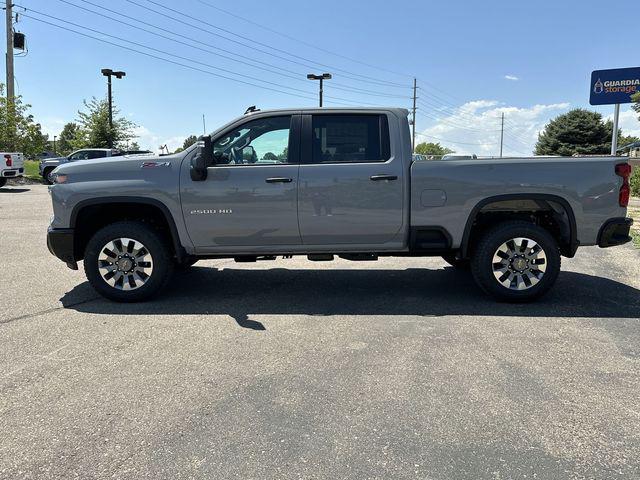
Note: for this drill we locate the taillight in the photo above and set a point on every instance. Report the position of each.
(8, 160)
(624, 170)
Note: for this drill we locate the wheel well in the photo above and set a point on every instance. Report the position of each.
(554, 215)
(91, 218)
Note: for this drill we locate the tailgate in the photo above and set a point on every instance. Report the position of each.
(12, 160)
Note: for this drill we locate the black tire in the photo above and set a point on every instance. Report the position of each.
(459, 263)
(3, 182)
(155, 244)
(482, 262)
(45, 175)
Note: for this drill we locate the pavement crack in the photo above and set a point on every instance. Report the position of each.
(43, 312)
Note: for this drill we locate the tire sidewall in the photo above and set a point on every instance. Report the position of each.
(151, 239)
(482, 261)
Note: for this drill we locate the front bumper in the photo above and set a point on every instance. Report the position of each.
(60, 244)
(615, 231)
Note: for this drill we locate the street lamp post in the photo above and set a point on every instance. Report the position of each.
(54, 144)
(107, 72)
(324, 76)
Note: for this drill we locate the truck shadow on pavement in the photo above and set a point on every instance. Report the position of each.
(241, 293)
(14, 190)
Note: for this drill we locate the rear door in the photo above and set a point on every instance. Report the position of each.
(350, 186)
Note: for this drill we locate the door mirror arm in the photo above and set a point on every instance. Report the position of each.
(202, 159)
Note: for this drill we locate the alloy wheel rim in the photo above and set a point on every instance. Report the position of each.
(519, 263)
(125, 264)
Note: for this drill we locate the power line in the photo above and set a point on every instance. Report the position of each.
(186, 58)
(278, 70)
(454, 141)
(164, 59)
(405, 75)
(289, 37)
(310, 63)
(455, 125)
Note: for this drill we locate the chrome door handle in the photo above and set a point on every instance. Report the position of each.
(278, 180)
(376, 178)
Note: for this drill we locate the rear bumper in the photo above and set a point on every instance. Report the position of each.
(60, 244)
(12, 173)
(614, 232)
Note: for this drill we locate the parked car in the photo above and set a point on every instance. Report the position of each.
(11, 166)
(48, 165)
(332, 182)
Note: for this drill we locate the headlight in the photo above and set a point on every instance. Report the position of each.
(60, 178)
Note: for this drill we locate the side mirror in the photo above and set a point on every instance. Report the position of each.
(202, 159)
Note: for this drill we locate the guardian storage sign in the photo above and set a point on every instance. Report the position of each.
(609, 87)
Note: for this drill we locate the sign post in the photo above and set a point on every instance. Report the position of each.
(613, 87)
(614, 137)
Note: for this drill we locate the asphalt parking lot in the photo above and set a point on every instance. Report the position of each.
(395, 369)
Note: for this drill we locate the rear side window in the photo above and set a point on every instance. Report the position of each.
(96, 154)
(350, 138)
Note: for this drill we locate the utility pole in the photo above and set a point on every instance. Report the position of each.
(9, 63)
(54, 144)
(501, 134)
(107, 72)
(413, 129)
(324, 76)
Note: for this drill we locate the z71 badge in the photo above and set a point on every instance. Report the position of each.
(155, 164)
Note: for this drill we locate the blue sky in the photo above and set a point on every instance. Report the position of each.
(473, 61)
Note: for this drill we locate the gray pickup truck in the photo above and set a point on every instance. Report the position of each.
(325, 183)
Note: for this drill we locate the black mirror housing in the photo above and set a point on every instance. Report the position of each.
(202, 159)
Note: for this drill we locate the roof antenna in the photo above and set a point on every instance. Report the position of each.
(251, 109)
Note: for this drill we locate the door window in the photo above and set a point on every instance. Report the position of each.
(81, 155)
(350, 138)
(263, 141)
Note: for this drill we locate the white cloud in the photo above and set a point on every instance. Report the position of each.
(52, 126)
(511, 77)
(152, 141)
(474, 127)
(628, 122)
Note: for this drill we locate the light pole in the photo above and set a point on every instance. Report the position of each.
(54, 144)
(324, 76)
(107, 72)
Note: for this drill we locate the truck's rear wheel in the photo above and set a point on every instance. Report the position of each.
(3, 182)
(128, 262)
(516, 262)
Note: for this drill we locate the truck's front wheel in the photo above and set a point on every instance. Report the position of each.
(128, 262)
(516, 261)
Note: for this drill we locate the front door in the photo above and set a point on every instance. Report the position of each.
(351, 182)
(250, 195)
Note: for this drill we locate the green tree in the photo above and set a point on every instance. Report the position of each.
(18, 130)
(636, 106)
(95, 131)
(425, 148)
(190, 140)
(270, 156)
(69, 139)
(134, 146)
(578, 131)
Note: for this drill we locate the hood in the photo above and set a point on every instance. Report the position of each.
(122, 168)
(53, 161)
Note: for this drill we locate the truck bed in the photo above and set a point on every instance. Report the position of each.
(445, 192)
